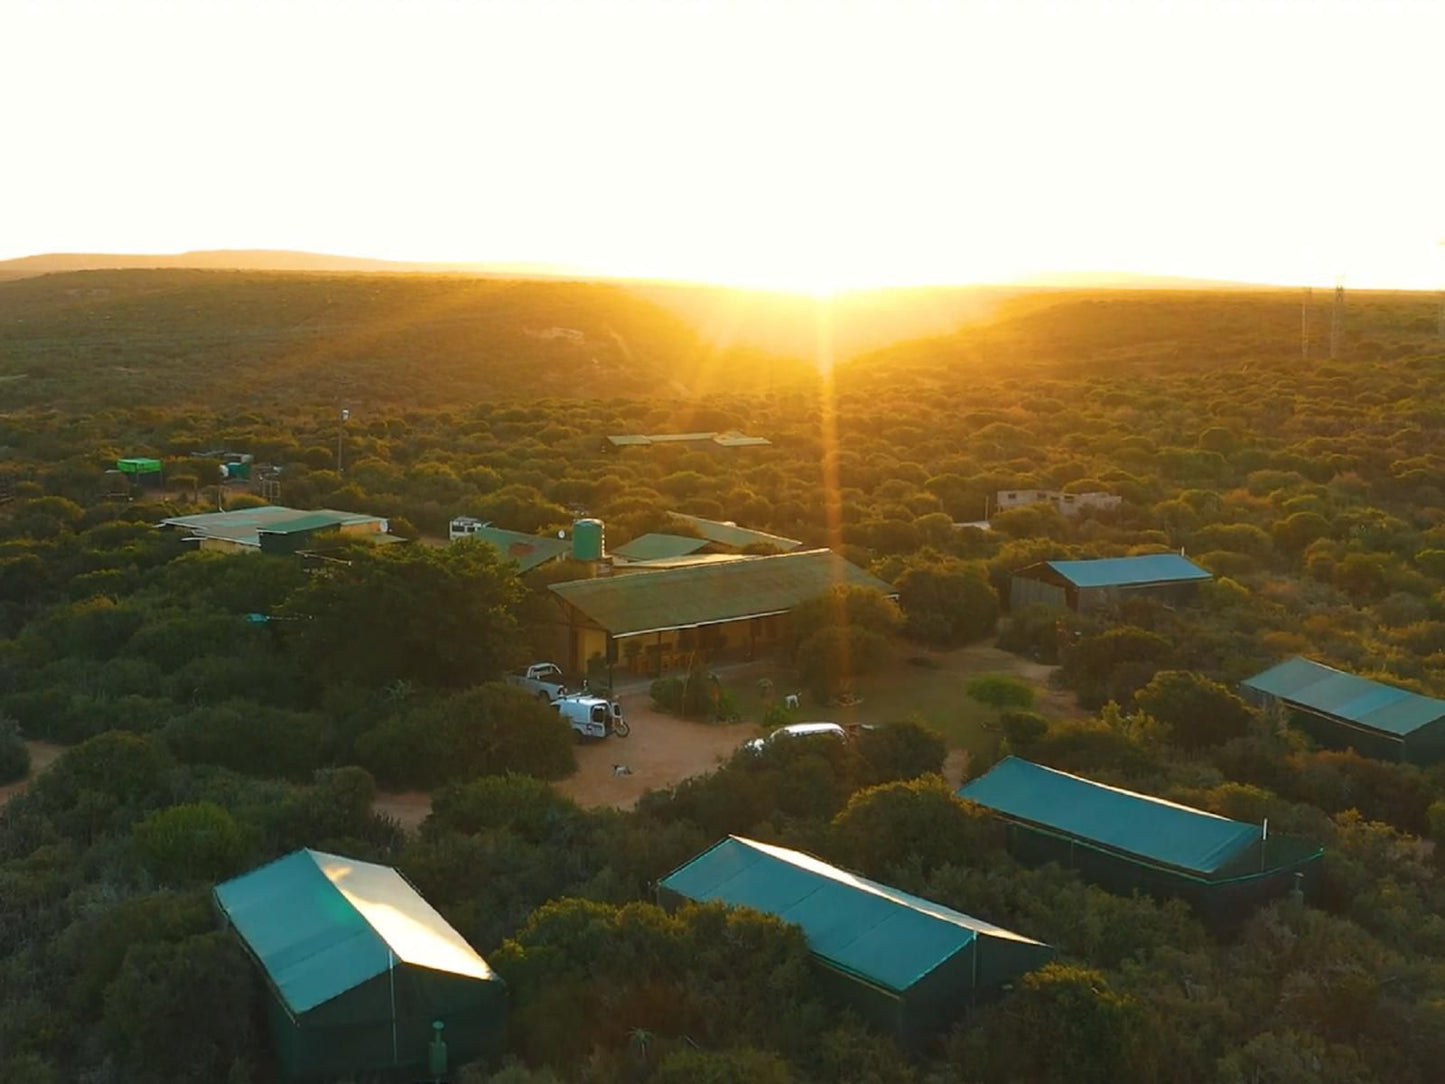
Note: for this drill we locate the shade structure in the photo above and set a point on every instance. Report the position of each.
(358, 967)
(906, 963)
(1343, 710)
(1128, 842)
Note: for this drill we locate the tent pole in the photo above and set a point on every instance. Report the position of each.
(391, 980)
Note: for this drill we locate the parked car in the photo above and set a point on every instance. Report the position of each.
(797, 730)
(592, 716)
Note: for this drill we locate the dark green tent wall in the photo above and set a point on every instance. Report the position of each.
(358, 967)
(908, 965)
(1346, 711)
(1127, 842)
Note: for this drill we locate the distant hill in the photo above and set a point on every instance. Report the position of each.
(723, 317)
(252, 260)
(91, 338)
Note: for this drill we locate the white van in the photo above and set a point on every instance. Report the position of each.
(592, 716)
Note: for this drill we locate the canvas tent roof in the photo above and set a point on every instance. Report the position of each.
(712, 593)
(1136, 824)
(656, 547)
(528, 550)
(321, 924)
(879, 933)
(730, 534)
(1129, 571)
(1347, 696)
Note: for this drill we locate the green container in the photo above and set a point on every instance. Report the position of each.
(588, 540)
(138, 466)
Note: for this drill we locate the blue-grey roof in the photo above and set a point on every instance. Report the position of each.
(1130, 571)
(1135, 824)
(321, 925)
(886, 936)
(1355, 699)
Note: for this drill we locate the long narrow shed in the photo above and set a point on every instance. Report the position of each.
(908, 964)
(1086, 585)
(359, 968)
(1345, 711)
(1129, 842)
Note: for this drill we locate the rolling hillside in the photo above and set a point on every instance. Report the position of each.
(93, 338)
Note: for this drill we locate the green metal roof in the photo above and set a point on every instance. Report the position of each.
(712, 593)
(730, 534)
(321, 925)
(1121, 820)
(658, 547)
(1355, 699)
(528, 550)
(1130, 571)
(244, 525)
(868, 929)
(313, 521)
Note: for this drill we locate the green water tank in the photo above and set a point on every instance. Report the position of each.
(588, 542)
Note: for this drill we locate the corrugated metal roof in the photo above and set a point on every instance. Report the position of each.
(1136, 824)
(244, 525)
(730, 534)
(528, 550)
(321, 925)
(1130, 571)
(739, 440)
(888, 937)
(690, 560)
(708, 594)
(1347, 696)
(654, 547)
(308, 522)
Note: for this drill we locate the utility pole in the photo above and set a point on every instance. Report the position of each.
(1337, 320)
(1304, 323)
(340, 437)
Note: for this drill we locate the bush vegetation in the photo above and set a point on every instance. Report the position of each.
(203, 741)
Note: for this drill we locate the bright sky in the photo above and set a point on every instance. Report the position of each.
(779, 143)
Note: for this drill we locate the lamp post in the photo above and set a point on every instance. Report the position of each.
(340, 437)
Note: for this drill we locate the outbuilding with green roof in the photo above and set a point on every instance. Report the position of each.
(1127, 842)
(908, 964)
(360, 969)
(1346, 711)
(1088, 585)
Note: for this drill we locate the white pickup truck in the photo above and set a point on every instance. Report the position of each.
(542, 678)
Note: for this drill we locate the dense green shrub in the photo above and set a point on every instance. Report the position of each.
(14, 754)
(1001, 691)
